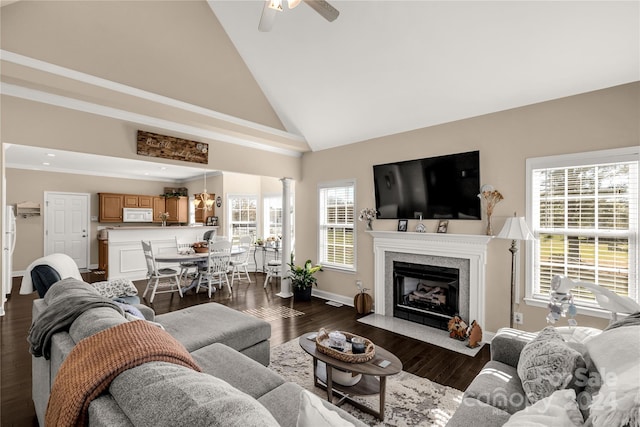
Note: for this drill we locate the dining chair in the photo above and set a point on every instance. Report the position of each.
(217, 266)
(155, 274)
(241, 261)
(185, 267)
(273, 270)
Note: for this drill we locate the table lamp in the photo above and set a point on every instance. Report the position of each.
(515, 229)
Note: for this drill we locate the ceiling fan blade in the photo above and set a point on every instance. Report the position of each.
(268, 18)
(327, 11)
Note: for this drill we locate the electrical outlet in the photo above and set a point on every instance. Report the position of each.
(518, 318)
(359, 284)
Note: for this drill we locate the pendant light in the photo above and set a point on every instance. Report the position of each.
(205, 200)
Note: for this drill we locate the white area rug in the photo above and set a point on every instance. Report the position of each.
(273, 313)
(410, 400)
(429, 335)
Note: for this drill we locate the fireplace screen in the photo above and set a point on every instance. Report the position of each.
(425, 294)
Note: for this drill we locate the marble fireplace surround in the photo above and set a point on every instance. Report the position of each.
(466, 252)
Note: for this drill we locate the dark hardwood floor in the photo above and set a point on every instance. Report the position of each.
(425, 360)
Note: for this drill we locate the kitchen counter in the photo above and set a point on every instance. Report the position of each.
(125, 256)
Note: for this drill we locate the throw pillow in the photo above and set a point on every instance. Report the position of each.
(162, 394)
(547, 364)
(558, 410)
(616, 355)
(313, 413)
(116, 288)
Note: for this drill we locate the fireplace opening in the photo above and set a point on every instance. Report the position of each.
(425, 294)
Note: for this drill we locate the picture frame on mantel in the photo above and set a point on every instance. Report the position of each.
(402, 224)
(443, 225)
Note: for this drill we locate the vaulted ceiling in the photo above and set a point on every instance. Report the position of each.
(381, 68)
(385, 67)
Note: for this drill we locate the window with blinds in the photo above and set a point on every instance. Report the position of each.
(336, 239)
(243, 214)
(585, 219)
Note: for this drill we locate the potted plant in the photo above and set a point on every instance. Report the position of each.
(303, 279)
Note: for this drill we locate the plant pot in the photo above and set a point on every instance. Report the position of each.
(302, 294)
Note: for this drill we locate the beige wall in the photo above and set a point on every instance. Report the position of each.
(26, 185)
(593, 121)
(191, 57)
(41, 125)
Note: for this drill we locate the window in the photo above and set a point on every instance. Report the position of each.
(584, 214)
(242, 214)
(336, 240)
(272, 216)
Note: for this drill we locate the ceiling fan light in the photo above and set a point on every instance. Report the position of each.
(293, 3)
(275, 4)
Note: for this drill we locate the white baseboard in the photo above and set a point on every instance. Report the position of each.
(330, 296)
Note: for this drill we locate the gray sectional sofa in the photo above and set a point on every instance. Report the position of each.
(231, 348)
(561, 376)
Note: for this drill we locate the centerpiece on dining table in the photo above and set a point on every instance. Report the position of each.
(201, 247)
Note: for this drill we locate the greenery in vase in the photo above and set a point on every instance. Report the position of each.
(303, 277)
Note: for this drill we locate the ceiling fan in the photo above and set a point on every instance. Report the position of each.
(272, 7)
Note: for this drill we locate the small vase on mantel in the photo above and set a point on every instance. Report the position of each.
(369, 225)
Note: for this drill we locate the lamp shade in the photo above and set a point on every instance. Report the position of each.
(515, 229)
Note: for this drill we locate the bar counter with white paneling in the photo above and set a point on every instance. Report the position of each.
(125, 256)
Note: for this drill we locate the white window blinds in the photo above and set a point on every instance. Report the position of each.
(585, 217)
(336, 239)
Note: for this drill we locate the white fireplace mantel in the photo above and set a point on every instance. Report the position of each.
(462, 246)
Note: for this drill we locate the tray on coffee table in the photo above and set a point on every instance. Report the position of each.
(322, 344)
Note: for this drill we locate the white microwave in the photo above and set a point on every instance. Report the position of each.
(137, 215)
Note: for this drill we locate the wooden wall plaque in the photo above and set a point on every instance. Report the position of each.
(169, 147)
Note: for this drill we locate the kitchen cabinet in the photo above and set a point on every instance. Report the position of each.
(145, 202)
(130, 201)
(137, 201)
(111, 207)
(159, 206)
(178, 209)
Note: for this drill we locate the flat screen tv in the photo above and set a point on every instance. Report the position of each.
(443, 187)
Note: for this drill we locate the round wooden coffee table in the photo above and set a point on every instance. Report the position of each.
(369, 384)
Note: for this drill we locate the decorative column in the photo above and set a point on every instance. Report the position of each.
(285, 285)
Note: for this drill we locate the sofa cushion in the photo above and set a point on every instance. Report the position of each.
(247, 375)
(560, 409)
(93, 321)
(499, 386)
(204, 324)
(164, 394)
(473, 412)
(105, 412)
(548, 364)
(616, 355)
(313, 413)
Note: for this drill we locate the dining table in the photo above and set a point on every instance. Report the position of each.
(188, 256)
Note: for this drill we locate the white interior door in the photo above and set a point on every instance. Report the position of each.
(67, 225)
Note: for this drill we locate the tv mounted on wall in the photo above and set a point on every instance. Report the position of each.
(443, 187)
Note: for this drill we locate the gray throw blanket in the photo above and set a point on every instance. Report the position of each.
(58, 317)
